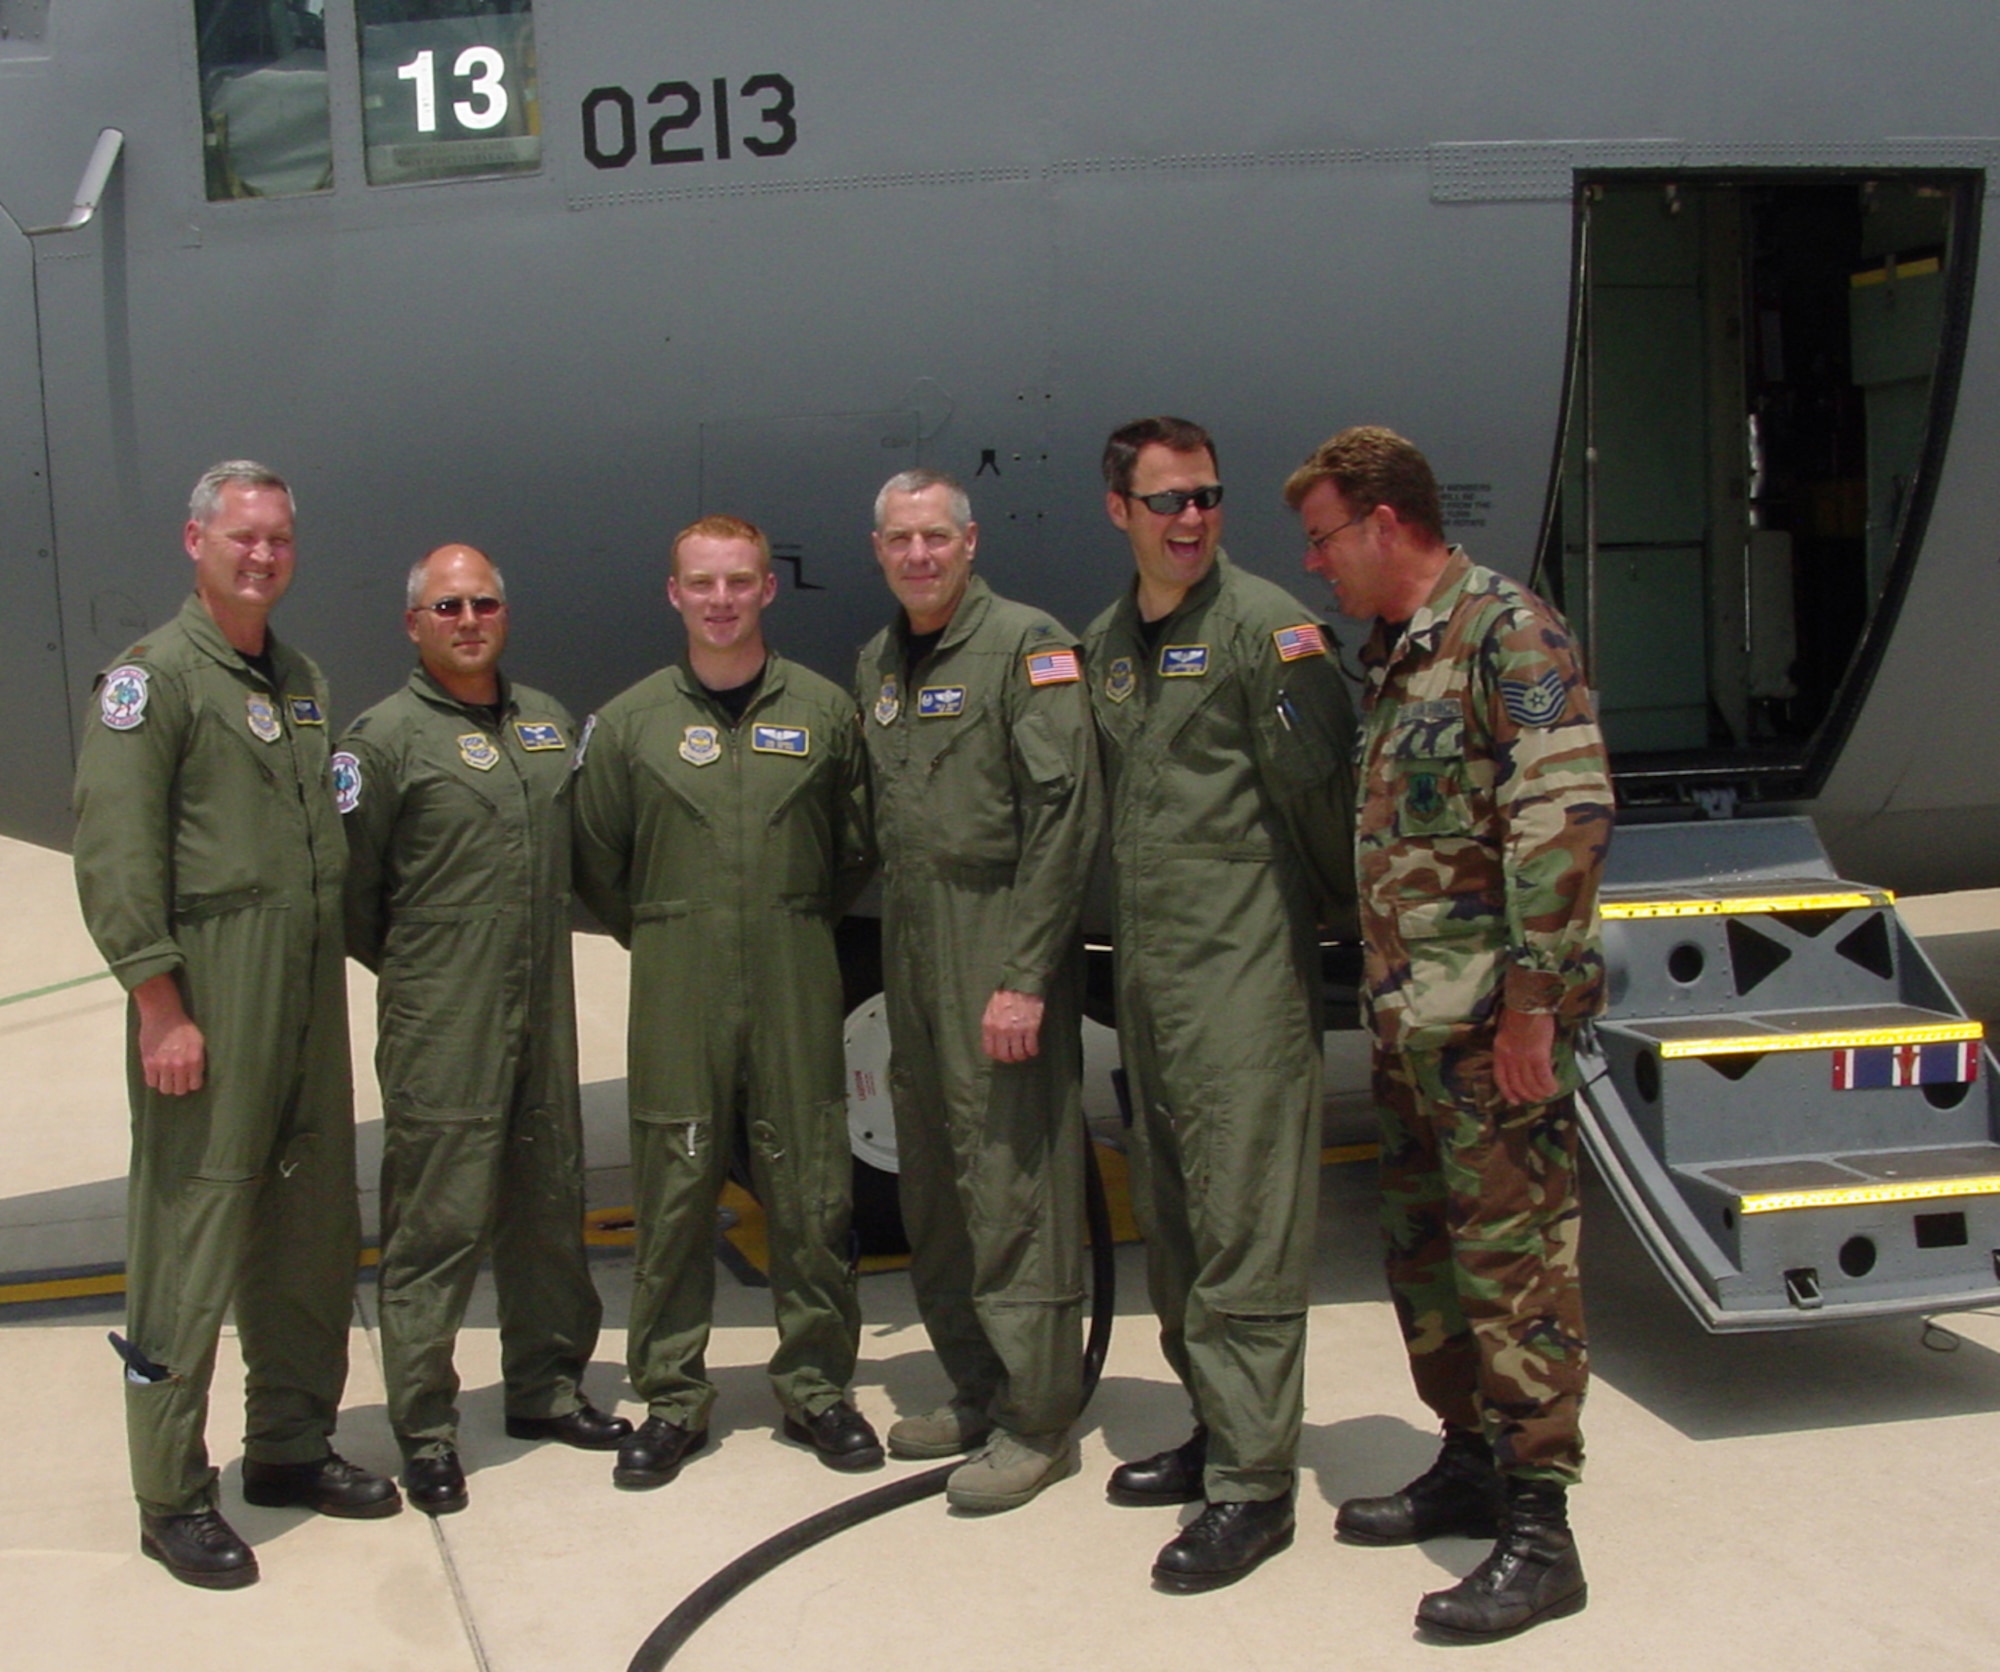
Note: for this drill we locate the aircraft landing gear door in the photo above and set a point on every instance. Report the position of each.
(1761, 388)
(36, 761)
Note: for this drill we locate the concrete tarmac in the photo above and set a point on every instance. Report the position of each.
(1821, 1499)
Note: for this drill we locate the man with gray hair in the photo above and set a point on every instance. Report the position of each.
(209, 863)
(979, 734)
(455, 792)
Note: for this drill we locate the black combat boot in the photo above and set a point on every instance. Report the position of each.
(1533, 1573)
(1459, 1493)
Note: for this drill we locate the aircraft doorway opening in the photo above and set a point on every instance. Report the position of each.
(1759, 393)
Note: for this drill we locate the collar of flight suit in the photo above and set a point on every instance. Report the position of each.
(772, 675)
(1197, 597)
(202, 629)
(1424, 629)
(425, 684)
(965, 619)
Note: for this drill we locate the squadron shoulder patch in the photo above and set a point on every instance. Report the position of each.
(305, 711)
(1537, 702)
(781, 740)
(539, 734)
(1303, 640)
(701, 745)
(121, 701)
(940, 702)
(1183, 661)
(1120, 679)
(478, 751)
(346, 773)
(1053, 667)
(888, 702)
(262, 717)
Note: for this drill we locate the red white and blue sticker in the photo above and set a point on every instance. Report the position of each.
(346, 771)
(122, 699)
(1053, 667)
(1878, 1067)
(1300, 641)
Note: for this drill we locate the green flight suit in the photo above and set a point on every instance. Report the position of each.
(207, 846)
(1226, 746)
(722, 855)
(458, 897)
(987, 817)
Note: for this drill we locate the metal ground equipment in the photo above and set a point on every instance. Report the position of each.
(1787, 1102)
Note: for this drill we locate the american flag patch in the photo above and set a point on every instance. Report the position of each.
(1053, 667)
(1878, 1067)
(1302, 640)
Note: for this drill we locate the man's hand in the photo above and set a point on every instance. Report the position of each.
(172, 1052)
(1524, 1064)
(1011, 1030)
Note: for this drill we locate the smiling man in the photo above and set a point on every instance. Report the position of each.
(209, 863)
(1485, 820)
(987, 810)
(455, 793)
(1226, 731)
(721, 830)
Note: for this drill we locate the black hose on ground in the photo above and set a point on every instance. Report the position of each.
(707, 1598)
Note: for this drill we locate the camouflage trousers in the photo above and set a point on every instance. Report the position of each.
(1480, 1223)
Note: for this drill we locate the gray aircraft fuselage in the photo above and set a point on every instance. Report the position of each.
(754, 259)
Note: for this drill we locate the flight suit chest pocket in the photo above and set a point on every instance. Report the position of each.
(1426, 766)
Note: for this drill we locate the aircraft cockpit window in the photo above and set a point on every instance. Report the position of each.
(265, 127)
(448, 89)
(1759, 400)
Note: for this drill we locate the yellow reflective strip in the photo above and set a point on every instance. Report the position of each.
(1334, 1155)
(62, 1288)
(1745, 907)
(1932, 1033)
(1864, 1195)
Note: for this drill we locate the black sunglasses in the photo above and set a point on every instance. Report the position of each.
(447, 609)
(1171, 502)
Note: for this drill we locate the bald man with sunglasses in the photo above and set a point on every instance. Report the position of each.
(455, 793)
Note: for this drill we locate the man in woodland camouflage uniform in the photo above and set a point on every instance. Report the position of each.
(1485, 818)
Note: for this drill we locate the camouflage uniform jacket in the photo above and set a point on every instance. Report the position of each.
(1485, 819)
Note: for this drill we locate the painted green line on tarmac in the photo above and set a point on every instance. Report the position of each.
(55, 987)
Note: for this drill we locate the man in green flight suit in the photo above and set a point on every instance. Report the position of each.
(721, 830)
(987, 818)
(209, 862)
(456, 797)
(1226, 732)
(1485, 820)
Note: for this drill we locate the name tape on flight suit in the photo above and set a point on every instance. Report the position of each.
(940, 702)
(539, 734)
(1183, 661)
(305, 711)
(781, 740)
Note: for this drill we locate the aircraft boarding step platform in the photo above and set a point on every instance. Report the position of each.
(1797, 1117)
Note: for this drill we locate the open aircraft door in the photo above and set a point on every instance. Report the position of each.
(37, 748)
